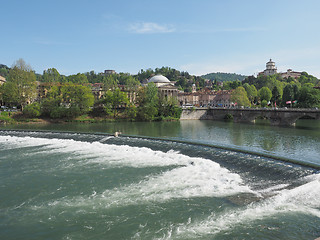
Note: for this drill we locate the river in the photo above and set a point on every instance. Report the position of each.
(160, 180)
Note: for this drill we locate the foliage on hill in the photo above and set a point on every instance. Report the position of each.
(223, 77)
(4, 70)
(296, 92)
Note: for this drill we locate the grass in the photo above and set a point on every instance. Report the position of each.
(88, 119)
(5, 117)
(18, 117)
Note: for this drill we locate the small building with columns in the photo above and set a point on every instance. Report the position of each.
(165, 86)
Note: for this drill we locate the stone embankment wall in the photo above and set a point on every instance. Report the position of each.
(285, 117)
(194, 114)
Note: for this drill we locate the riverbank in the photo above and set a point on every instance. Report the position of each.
(19, 118)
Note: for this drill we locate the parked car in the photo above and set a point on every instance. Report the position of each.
(187, 105)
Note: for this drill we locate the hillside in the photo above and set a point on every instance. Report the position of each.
(223, 77)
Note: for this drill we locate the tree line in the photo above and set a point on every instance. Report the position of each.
(273, 90)
(224, 77)
(71, 96)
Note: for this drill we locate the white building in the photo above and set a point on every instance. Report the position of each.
(165, 87)
(270, 69)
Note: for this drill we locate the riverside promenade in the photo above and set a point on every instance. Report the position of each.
(277, 116)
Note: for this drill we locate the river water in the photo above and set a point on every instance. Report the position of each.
(74, 181)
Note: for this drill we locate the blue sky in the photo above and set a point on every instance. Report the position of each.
(198, 36)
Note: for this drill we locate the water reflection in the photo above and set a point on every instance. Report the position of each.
(300, 142)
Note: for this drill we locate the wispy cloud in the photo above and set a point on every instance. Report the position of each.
(150, 27)
(49, 42)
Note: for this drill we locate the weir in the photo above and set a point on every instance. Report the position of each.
(282, 117)
(142, 188)
(217, 146)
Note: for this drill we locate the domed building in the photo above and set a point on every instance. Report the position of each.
(159, 80)
(165, 86)
(270, 69)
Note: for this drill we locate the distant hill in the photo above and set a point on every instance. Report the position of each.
(223, 77)
(4, 66)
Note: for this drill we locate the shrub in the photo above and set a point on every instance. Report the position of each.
(57, 112)
(228, 116)
(5, 118)
(264, 103)
(131, 112)
(32, 110)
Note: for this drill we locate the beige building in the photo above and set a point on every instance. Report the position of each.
(109, 72)
(222, 99)
(205, 98)
(2, 80)
(291, 73)
(165, 87)
(97, 90)
(271, 70)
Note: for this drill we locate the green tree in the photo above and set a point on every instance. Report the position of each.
(148, 102)
(131, 111)
(51, 75)
(32, 110)
(110, 82)
(296, 91)
(4, 71)
(79, 78)
(306, 78)
(68, 100)
(288, 94)
(239, 96)
(115, 99)
(168, 107)
(309, 97)
(265, 94)
(251, 92)
(276, 96)
(264, 103)
(23, 83)
(231, 84)
(9, 94)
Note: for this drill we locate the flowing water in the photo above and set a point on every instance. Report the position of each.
(78, 184)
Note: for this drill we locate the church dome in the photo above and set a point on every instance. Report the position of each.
(271, 65)
(159, 79)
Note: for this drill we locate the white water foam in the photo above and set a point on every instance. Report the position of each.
(203, 179)
(191, 177)
(98, 153)
(304, 199)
